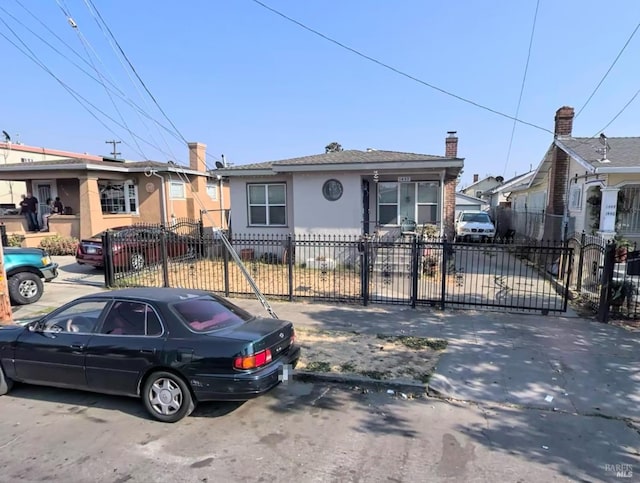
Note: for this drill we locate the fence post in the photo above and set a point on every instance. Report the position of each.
(607, 278)
(583, 238)
(568, 253)
(225, 266)
(290, 265)
(201, 242)
(164, 256)
(364, 270)
(107, 257)
(3, 235)
(443, 271)
(415, 262)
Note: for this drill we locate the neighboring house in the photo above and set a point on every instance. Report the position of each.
(499, 196)
(479, 187)
(345, 192)
(100, 193)
(469, 203)
(20, 154)
(590, 184)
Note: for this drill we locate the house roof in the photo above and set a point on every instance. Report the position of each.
(622, 152)
(47, 152)
(341, 159)
(97, 165)
(480, 181)
(510, 184)
(472, 199)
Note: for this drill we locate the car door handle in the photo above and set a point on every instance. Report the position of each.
(77, 346)
(148, 351)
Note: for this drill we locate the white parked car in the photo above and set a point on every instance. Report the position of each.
(474, 225)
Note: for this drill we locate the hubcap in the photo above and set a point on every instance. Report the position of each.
(165, 396)
(28, 289)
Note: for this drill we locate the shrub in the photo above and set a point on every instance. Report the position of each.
(15, 240)
(60, 245)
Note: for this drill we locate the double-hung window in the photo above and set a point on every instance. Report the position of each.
(212, 190)
(177, 190)
(628, 212)
(267, 204)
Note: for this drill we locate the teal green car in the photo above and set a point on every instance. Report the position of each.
(26, 268)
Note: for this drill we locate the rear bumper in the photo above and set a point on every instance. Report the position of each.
(95, 261)
(241, 387)
(49, 272)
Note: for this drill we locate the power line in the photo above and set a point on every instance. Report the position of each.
(133, 69)
(609, 70)
(524, 79)
(398, 71)
(118, 92)
(87, 46)
(624, 108)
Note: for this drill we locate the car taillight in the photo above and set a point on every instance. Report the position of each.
(251, 362)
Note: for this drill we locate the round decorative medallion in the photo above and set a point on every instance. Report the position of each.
(332, 189)
(150, 187)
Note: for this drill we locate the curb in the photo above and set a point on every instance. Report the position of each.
(404, 387)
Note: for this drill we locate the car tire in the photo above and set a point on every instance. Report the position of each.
(167, 397)
(137, 261)
(25, 288)
(5, 383)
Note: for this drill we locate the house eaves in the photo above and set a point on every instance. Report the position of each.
(79, 166)
(585, 164)
(385, 165)
(459, 194)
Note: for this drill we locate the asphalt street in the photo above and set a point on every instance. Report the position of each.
(523, 398)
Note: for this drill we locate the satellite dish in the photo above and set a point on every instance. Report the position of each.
(6, 136)
(603, 139)
(219, 165)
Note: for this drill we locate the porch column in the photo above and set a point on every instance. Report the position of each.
(608, 208)
(90, 209)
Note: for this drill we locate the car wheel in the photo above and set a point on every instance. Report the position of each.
(5, 383)
(25, 288)
(137, 261)
(167, 397)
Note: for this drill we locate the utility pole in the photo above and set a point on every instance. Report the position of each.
(6, 315)
(114, 153)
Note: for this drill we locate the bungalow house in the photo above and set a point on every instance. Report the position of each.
(100, 193)
(345, 192)
(479, 187)
(590, 184)
(499, 196)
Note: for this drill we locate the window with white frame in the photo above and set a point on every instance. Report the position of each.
(177, 190)
(118, 197)
(212, 190)
(267, 204)
(575, 198)
(416, 201)
(628, 210)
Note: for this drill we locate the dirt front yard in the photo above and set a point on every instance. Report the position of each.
(379, 357)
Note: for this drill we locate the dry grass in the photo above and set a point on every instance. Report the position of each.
(378, 357)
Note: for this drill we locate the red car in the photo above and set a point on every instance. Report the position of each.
(134, 247)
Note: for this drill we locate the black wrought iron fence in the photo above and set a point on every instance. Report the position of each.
(405, 270)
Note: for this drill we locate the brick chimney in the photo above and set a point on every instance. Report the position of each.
(451, 145)
(475, 178)
(558, 175)
(197, 156)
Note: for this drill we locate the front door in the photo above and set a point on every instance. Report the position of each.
(407, 202)
(44, 190)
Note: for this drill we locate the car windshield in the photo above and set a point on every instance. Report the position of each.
(205, 314)
(476, 217)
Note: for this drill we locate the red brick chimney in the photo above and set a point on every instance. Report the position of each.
(451, 145)
(475, 178)
(558, 175)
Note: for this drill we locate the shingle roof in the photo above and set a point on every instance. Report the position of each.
(344, 157)
(622, 152)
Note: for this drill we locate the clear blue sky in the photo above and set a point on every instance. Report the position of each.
(256, 87)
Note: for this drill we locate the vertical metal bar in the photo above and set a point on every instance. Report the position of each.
(568, 279)
(165, 257)
(365, 272)
(225, 267)
(580, 262)
(443, 284)
(107, 256)
(414, 272)
(607, 278)
(290, 265)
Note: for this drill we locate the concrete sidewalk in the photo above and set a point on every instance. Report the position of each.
(549, 362)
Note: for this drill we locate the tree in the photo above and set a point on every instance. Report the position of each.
(333, 147)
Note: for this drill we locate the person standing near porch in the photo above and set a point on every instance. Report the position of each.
(24, 211)
(32, 212)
